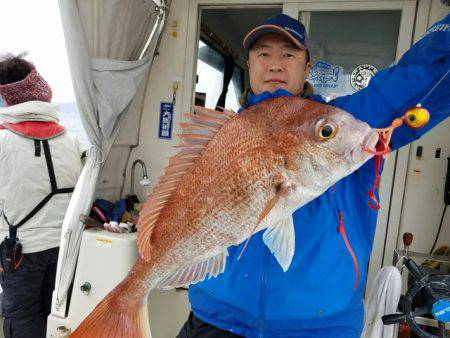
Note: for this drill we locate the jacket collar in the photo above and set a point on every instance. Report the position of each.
(35, 129)
(253, 99)
(29, 111)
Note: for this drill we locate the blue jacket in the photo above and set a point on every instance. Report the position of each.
(320, 295)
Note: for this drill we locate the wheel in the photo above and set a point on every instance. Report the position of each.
(437, 291)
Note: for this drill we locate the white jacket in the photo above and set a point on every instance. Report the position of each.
(25, 181)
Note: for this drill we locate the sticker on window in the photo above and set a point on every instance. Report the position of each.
(328, 80)
(361, 76)
(323, 74)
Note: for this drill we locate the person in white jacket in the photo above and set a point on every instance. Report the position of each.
(39, 165)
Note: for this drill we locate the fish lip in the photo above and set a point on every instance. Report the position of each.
(369, 142)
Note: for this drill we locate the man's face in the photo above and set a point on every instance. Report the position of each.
(274, 62)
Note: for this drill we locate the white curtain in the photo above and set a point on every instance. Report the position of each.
(110, 46)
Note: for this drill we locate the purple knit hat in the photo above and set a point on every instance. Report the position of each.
(31, 88)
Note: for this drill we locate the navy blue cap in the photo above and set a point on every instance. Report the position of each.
(282, 24)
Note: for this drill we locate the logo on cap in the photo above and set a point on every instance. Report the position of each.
(293, 31)
(281, 23)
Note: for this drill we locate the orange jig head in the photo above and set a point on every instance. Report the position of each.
(416, 117)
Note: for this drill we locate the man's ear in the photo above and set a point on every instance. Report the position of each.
(307, 69)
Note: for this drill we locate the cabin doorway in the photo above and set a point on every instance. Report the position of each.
(350, 42)
(221, 75)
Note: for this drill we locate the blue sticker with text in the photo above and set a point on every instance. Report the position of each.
(165, 120)
(441, 310)
(322, 73)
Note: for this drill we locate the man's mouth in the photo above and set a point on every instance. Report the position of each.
(275, 81)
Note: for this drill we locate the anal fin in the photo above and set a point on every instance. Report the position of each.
(196, 273)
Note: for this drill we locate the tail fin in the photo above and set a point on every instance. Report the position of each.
(115, 316)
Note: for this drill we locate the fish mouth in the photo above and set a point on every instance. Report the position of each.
(366, 148)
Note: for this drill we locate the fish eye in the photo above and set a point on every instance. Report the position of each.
(326, 129)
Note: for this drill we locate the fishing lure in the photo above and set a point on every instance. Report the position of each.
(416, 117)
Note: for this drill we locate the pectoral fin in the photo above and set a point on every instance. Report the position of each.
(280, 239)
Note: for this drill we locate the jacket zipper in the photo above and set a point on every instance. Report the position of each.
(262, 294)
(349, 248)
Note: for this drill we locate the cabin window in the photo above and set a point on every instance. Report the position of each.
(210, 77)
(344, 59)
(221, 58)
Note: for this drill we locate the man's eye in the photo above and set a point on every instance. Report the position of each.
(288, 55)
(262, 54)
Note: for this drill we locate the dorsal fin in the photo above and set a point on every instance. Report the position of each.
(191, 126)
(182, 159)
(186, 145)
(197, 133)
(222, 114)
(230, 113)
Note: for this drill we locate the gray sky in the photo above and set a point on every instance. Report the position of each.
(34, 26)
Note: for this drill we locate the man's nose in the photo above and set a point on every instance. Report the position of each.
(275, 67)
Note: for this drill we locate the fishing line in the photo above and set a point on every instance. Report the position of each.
(415, 117)
(432, 89)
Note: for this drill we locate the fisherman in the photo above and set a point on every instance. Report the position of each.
(321, 293)
(39, 165)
